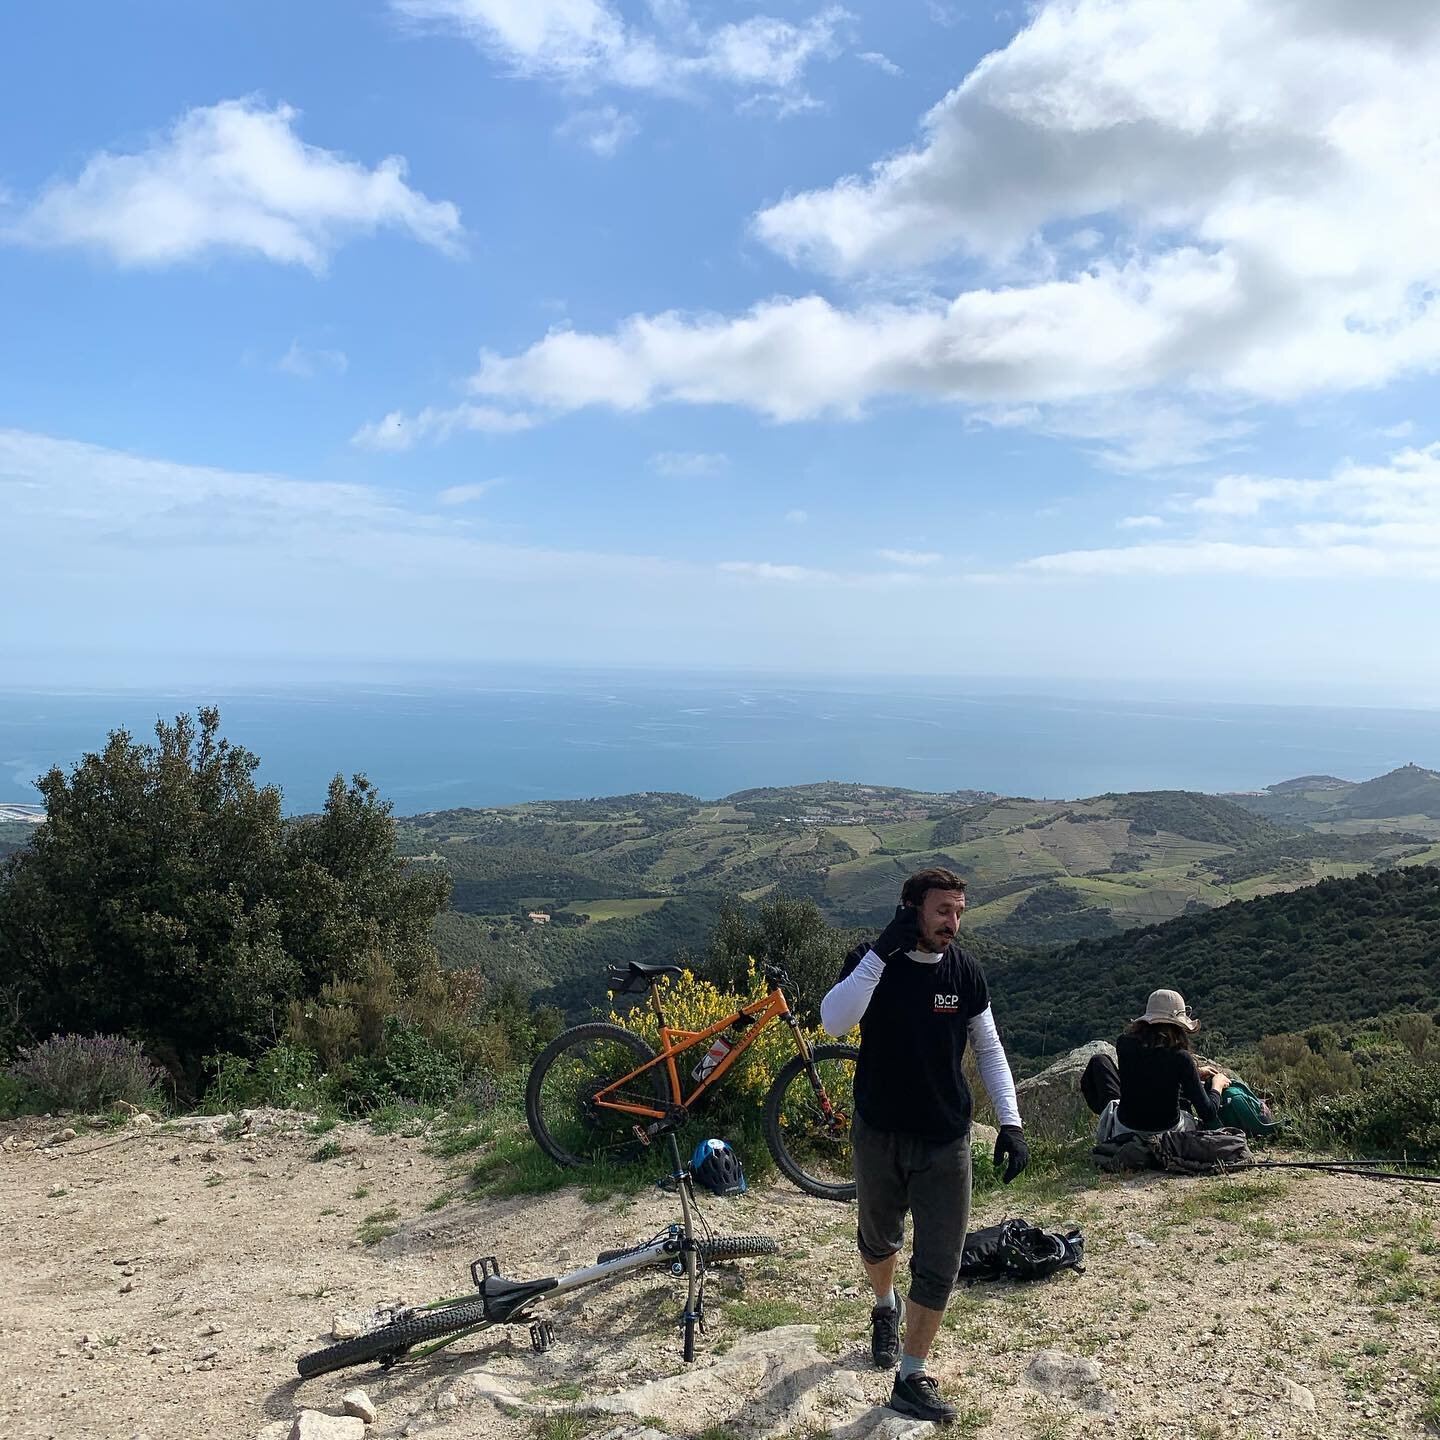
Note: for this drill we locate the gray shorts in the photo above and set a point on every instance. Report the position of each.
(931, 1180)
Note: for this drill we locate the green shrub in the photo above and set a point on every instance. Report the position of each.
(1396, 1110)
(86, 1072)
(285, 1076)
(13, 1096)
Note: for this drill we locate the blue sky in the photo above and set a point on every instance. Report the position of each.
(1088, 339)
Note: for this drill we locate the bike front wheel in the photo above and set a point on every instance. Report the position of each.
(569, 1123)
(807, 1127)
(390, 1342)
(717, 1247)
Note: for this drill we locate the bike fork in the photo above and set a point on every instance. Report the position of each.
(690, 1254)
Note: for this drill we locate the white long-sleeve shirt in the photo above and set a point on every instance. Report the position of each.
(847, 1001)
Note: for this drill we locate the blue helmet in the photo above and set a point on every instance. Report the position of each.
(717, 1167)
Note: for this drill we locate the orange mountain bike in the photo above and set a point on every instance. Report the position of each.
(598, 1092)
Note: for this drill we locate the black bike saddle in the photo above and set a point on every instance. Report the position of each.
(637, 976)
(504, 1297)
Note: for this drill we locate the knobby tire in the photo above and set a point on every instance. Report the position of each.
(654, 1081)
(775, 1132)
(393, 1339)
(718, 1247)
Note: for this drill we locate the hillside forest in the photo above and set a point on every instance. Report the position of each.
(166, 902)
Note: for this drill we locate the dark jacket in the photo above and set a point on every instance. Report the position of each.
(1152, 1080)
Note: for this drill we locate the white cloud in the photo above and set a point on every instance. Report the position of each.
(1129, 434)
(231, 177)
(1141, 522)
(1201, 206)
(1369, 521)
(306, 364)
(397, 431)
(780, 574)
(910, 559)
(589, 42)
(880, 62)
(690, 464)
(1278, 153)
(602, 131)
(797, 517)
(465, 494)
(1401, 431)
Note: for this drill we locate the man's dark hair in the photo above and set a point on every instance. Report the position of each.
(922, 882)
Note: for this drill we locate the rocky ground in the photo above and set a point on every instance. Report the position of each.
(163, 1278)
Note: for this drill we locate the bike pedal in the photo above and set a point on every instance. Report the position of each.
(542, 1336)
(482, 1269)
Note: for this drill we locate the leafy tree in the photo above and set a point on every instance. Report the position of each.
(782, 931)
(166, 898)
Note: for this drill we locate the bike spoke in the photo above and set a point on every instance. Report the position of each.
(573, 1115)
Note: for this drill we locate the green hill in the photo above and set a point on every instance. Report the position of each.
(1410, 794)
(1409, 790)
(1335, 951)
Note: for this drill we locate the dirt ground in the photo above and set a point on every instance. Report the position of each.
(161, 1282)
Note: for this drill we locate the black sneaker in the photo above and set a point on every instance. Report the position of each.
(885, 1336)
(920, 1396)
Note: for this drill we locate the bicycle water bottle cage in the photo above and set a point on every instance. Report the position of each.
(639, 977)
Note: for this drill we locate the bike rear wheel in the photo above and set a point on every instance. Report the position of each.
(717, 1247)
(812, 1147)
(393, 1340)
(560, 1106)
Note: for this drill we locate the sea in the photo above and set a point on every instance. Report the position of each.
(503, 738)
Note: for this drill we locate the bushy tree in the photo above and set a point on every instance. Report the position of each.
(781, 931)
(166, 898)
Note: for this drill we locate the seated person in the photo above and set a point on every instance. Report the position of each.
(1155, 1069)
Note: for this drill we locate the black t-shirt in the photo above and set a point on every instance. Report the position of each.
(912, 1039)
(1152, 1079)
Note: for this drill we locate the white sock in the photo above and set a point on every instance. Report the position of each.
(888, 1302)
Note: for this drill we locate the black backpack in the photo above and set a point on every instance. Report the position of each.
(1178, 1152)
(1018, 1250)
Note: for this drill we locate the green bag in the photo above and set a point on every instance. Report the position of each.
(1242, 1109)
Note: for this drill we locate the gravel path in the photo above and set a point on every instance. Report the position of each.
(162, 1282)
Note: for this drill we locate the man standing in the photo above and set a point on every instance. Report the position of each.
(918, 998)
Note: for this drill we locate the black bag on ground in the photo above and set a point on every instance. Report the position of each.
(1177, 1152)
(1018, 1250)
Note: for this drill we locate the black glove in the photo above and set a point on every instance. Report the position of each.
(900, 936)
(1010, 1145)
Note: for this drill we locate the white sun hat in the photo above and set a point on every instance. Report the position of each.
(1167, 1007)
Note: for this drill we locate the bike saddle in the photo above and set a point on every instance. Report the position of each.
(637, 976)
(504, 1297)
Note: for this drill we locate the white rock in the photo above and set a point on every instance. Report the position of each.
(142, 1121)
(276, 1430)
(1297, 1395)
(1053, 1372)
(1051, 1102)
(357, 1402)
(316, 1425)
(1139, 1242)
(344, 1327)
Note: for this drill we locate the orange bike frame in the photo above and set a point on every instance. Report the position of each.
(676, 1042)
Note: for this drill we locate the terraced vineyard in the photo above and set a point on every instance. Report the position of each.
(1040, 871)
